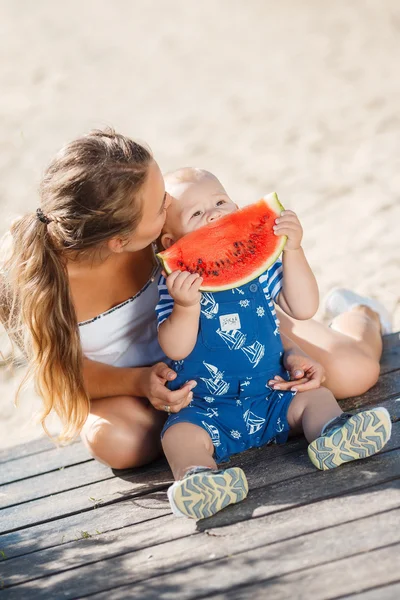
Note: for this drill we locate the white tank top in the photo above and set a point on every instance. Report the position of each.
(125, 335)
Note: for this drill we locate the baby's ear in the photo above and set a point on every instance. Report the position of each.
(167, 240)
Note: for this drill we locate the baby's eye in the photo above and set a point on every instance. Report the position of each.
(196, 214)
(220, 202)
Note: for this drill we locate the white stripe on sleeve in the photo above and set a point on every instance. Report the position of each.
(165, 302)
(271, 280)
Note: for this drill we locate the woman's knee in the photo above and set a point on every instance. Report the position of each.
(351, 374)
(122, 442)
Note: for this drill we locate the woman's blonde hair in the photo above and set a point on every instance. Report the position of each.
(88, 195)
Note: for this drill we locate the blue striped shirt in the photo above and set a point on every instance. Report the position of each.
(270, 281)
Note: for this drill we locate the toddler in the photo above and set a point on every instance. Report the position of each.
(229, 342)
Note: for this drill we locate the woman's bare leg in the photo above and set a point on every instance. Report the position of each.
(349, 352)
(123, 431)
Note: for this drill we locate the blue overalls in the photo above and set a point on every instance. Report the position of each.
(238, 350)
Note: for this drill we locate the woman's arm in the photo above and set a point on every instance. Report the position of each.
(102, 380)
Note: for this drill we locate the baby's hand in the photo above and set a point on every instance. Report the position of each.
(288, 224)
(183, 287)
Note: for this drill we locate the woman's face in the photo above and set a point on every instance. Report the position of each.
(155, 202)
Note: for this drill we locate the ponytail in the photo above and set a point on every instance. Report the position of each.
(39, 316)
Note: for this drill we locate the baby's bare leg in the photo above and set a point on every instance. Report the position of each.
(310, 411)
(186, 445)
(348, 438)
(203, 492)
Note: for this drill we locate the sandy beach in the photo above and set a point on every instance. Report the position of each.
(298, 97)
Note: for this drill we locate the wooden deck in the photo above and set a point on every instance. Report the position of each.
(71, 528)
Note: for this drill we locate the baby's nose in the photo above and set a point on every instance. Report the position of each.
(214, 215)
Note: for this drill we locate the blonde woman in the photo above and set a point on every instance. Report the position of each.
(78, 295)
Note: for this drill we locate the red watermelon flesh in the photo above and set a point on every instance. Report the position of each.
(231, 251)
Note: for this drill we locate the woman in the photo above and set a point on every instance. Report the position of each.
(78, 295)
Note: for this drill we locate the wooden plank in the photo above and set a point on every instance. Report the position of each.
(246, 535)
(268, 500)
(135, 480)
(37, 464)
(104, 519)
(43, 444)
(85, 498)
(306, 578)
(359, 464)
(390, 360)
(42, 486)
(309, 488)
(204, 563)
(150, 508)
(388, 592)
(259, 464)
(300, 491)
(391, 341)
(326, 582)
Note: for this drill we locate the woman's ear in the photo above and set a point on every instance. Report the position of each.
(116, 245)
(167, 240)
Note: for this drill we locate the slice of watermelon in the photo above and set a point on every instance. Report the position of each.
(231, 251)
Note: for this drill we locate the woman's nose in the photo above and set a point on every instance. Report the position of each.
(168, 201)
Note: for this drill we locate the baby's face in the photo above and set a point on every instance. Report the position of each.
(194, 204)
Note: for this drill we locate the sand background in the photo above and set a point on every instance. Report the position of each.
(297, 96)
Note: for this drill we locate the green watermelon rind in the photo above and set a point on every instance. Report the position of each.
(273, 202)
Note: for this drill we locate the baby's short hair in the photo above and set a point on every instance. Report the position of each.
(187, 175)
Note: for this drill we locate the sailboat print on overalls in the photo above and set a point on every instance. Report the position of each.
(253, 422)
(214, 433)
(233, 338)
(254, 353)
(215, 384)
(211, 307)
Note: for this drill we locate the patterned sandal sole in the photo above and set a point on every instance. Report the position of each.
(203, 494)
(361, 436)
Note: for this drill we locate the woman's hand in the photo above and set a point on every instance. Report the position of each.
(305, 373)
(153, 385)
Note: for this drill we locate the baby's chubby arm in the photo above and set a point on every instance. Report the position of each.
(299, 296)
(177, 335)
